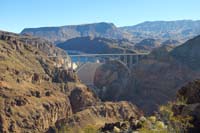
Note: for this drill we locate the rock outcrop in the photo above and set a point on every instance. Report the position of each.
(111, 80)
(190, 93)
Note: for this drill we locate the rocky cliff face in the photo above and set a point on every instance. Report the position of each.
(28, 98)
(35, 94)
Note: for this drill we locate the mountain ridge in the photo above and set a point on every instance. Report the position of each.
(63, 33)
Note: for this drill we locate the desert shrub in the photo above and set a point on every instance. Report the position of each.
(152, 125)
(166, 121)
(175, 123)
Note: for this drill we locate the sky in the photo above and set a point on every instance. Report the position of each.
(15, 15)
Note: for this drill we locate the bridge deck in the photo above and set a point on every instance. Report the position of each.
(89, 55)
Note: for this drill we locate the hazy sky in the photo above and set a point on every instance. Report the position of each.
(18, 14)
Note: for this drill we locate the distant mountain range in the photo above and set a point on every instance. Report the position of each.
(145, 36)
(63, 33)
(181, 29)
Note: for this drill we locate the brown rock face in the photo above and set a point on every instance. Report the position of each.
(111, 80)
(64, 76)
(29, 101)
(154, 82)
(81, 98)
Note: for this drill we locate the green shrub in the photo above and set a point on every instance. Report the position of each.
(90, 129)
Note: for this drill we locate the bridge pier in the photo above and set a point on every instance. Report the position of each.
(125, 59)
(137, 59)
(130, 60)
(72, 65)
(79, 61)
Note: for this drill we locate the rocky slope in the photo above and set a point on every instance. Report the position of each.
(35, 93)
(157, 77)
(188, 53)
(63, 33)
(96, 45)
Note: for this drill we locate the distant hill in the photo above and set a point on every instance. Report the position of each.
(147, 44)
(63, 33)
(96, 45)
(181, 29)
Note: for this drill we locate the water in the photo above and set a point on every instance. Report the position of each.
(82, 59)
(85, 59)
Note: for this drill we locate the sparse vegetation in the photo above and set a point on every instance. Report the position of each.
(90, 129)
(167, 121)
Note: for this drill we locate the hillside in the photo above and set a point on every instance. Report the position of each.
(188, 53)
(97, 45)
(63, 33)
(36, 94)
